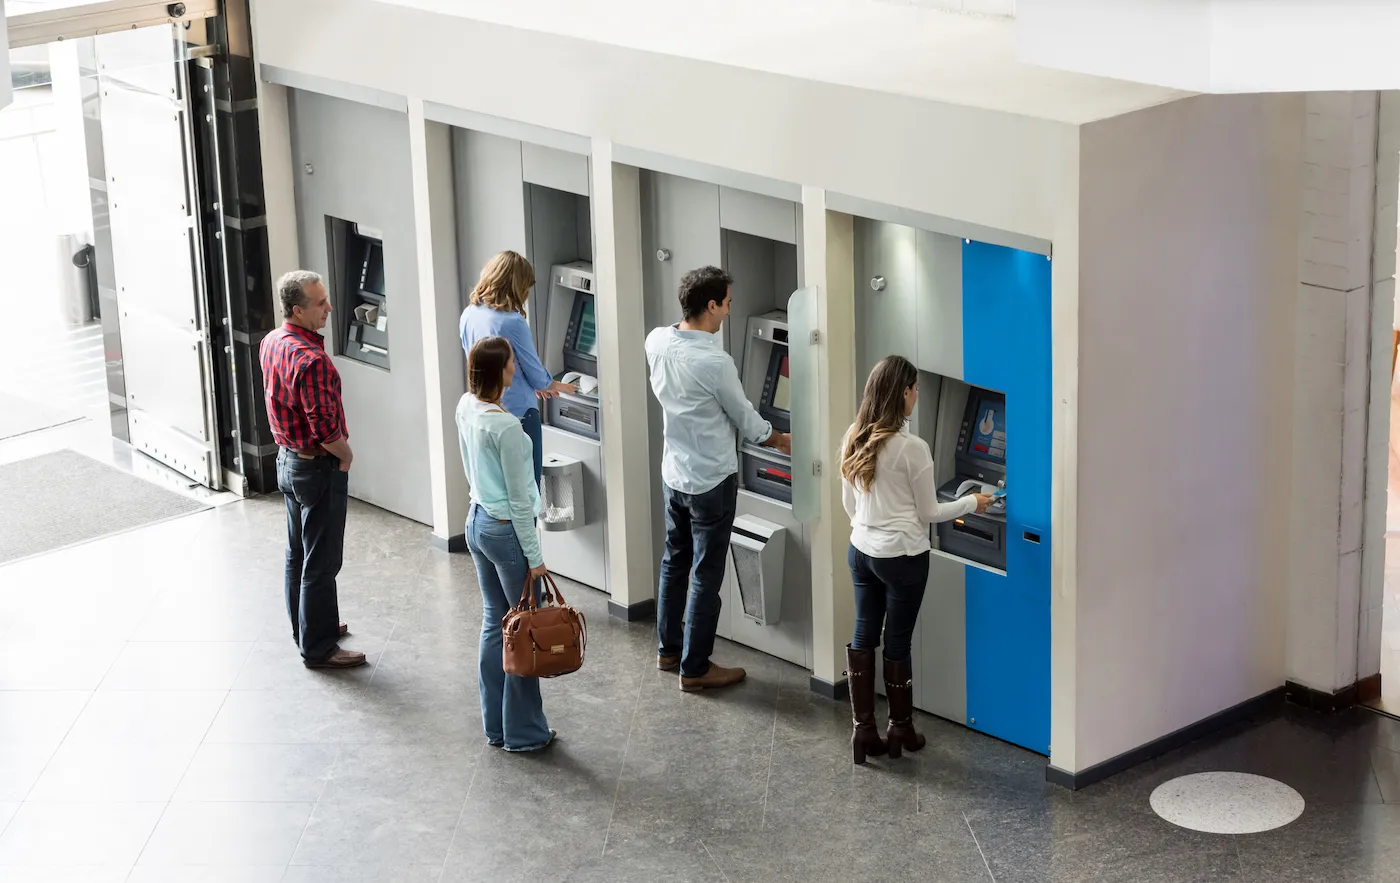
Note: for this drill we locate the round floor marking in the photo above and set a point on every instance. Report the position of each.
(1227, 803)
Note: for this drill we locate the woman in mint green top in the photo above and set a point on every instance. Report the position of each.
(498, 458)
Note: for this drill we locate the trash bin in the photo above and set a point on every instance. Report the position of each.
(561, 493)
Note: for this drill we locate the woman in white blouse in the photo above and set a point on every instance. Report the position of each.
(889, 490)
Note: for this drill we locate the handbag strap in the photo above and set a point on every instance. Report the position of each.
(551, 592)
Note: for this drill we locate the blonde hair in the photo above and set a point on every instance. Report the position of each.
(880, 418)
(505, 283)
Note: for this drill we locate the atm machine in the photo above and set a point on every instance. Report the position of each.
(766, 600)
(980, 460)
(572, 488)
(359, 299)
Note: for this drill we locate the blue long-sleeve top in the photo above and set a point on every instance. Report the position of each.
(530, 375)
(498, 459)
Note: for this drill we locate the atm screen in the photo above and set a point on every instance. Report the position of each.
(373, 270)
(776, 406)
(782, 397)
(987, 438)
(583, 337)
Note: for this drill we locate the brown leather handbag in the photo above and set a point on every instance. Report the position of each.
(545, 640)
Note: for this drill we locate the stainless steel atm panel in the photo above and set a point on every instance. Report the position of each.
(766, 471)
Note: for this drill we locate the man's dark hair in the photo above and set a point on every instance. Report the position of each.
(700, 287)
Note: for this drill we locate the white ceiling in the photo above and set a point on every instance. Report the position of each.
(905, 50)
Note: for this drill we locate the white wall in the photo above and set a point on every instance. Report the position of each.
(1187, 275)
(869, 144)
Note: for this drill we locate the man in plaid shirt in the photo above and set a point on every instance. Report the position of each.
(302, 391)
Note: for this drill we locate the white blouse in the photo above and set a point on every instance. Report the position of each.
(891, 519)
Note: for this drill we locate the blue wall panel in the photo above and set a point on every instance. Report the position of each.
(1006, 347)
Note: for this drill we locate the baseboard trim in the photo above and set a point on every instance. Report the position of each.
(1369, 689)
(457, 543)
(641, 610)
(837, 692)
(1260, 704)
(1364, 690)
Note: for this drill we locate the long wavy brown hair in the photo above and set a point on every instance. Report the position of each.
(880, 418)
(505, 283)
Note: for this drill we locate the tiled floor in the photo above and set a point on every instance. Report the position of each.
(156, 727)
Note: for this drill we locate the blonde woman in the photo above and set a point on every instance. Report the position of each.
(497, 309)
(889, 490)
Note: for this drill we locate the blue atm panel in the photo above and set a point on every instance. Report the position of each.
(1006, 347)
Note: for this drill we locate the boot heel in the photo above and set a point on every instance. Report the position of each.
(857, 753)
(896, 749)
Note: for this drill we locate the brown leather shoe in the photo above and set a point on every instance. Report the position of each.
(715, 676)
(340, 659)
(668, 663)
(344, 629)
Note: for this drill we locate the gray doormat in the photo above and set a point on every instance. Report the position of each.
(21, 416)
(64, 498)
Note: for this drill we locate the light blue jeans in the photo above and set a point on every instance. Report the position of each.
(512, 712)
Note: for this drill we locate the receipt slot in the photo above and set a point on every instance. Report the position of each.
(981, 468)
(757, 549)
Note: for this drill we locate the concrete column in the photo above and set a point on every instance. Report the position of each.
(1333, 372)
(829, 266)
(434, 221)
(617, 269)
(1379, 427)
(279, 183)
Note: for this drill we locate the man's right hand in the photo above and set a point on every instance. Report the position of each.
(781, 441)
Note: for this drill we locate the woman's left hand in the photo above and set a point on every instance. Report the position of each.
(556, 388)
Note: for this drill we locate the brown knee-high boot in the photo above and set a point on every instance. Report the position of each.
(865, 735)
(899, 689)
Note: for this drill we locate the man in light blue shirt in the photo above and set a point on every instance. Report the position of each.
(698, 387)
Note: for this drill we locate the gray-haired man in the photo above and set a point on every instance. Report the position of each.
(302, 390)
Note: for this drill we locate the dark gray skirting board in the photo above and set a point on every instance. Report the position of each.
(61, 499)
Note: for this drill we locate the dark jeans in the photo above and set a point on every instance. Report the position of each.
(534, 428)
(889, 592)
(317, 493)
(697, 545)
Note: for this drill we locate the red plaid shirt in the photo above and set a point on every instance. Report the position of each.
(302, 389)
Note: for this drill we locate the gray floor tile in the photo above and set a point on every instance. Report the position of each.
(185, 615)
(48, 666)
(362, 873)
(431, 715)
(1350, 844)
(277, 665)
(82, 834)
(38, 718)
(227, 834)
(7, 812)
(158, 717)
(257, 773)
(67, 875)
(120, 773)
(282, 716)
(1386, 766)
(206, 874)
(385, 831)
(20, 768)
(427, 773)
(177, 665)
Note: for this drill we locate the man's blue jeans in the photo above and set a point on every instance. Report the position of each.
(534, 428)
(317, 494)
(512, 712)
(692, 572)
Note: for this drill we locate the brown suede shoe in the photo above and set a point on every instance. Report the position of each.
(344, 629)
(715, 676)
(668, 663)
(340, 659)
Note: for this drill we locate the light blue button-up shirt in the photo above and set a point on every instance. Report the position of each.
(698, 387)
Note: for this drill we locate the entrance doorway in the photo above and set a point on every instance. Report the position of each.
(102, 253)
